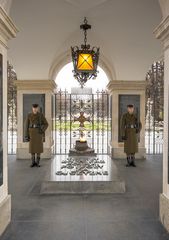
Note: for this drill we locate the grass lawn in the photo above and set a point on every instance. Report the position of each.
(65, 126)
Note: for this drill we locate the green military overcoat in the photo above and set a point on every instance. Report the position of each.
(35, 135)
(130, 134)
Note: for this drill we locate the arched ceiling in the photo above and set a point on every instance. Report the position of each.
(6, 5)
(164, 4)
(122, 28)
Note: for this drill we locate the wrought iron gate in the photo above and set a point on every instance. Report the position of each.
(12, 110)
(66, 109)
(155, 109)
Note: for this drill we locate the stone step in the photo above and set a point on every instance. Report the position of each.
(82, 187)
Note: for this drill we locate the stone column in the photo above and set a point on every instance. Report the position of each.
(162, 33)
(7, 32)
(126, 88)
(46, 87)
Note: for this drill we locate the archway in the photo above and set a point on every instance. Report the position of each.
(65, 58)
(65, 80)
(69, 100)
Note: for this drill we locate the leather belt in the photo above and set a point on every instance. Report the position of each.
(34, 126)
(131, 126)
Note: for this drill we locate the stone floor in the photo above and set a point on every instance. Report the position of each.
(129, 216)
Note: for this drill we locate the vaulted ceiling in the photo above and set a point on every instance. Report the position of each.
(122, 28)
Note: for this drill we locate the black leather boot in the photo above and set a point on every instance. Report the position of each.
(133, 161)
(38, 161)
(33, 161)
(128, 161)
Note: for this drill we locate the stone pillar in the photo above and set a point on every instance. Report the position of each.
(47, 88)
(126, 88)
(7, 32)
(162, 33)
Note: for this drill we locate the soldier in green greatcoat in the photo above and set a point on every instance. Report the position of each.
(130, 127)
(34, 131)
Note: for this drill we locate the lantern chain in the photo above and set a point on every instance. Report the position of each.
(85, 32)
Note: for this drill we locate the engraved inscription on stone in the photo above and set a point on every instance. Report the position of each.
(91, 166)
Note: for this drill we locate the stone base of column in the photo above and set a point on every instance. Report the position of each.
(164, 211)
(118, 153)
(23, 153)
(5, 216)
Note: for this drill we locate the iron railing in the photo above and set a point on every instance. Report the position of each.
(66, 108)
(12, 110)
(154, 122)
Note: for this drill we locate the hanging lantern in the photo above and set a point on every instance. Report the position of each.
(85, 60)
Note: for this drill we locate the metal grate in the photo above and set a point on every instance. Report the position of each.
(66, 107)
(12, 110)
(154, 122)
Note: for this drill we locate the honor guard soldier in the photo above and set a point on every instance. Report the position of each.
(35, 127)
(130, 127)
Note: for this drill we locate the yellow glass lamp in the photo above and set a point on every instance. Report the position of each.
(85, 62)
(85, 59)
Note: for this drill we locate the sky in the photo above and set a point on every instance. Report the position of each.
(65, 79)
